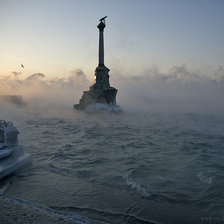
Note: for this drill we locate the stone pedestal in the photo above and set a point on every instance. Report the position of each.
(105, 96)
(100, 91)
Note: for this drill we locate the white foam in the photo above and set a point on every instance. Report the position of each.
(160, 177)
(140, 189)
(100, 107)
(203, 178)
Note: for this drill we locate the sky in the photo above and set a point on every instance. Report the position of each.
(54, 37)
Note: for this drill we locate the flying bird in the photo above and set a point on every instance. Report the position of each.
(103, 18)
(22, 66)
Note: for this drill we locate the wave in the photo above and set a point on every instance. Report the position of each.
(114, 217)
(62, 215)
(5, 184)
(203, 178)
(67, 213)
(138, 187)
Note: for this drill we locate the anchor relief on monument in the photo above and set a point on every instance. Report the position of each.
(100, 91)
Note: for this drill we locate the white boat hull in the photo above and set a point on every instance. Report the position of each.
(5, 153)
(11, 159)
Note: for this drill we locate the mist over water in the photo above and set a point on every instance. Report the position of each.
(179, 90)
(159, 160)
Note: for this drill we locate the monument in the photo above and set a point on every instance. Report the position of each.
(101, 91)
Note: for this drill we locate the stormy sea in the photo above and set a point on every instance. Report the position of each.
(128, 167)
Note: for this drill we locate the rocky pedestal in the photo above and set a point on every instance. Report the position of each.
(100, 91)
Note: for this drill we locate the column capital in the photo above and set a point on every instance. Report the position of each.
(101, 26)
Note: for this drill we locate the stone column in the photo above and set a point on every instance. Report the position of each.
(101, 27)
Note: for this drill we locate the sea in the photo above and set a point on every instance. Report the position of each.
(126, 167)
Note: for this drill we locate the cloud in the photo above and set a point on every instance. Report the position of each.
(41, 94)
(178, 90)
(16, 73)
(35, 76)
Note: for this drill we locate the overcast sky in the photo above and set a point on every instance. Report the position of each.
(55, 36)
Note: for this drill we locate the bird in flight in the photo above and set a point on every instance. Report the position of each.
(22, 66)
(103, 18)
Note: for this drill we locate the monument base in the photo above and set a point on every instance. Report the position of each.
(93, 96)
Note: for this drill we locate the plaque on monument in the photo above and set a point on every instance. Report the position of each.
(101, 91)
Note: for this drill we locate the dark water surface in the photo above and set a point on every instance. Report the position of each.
(126, 167)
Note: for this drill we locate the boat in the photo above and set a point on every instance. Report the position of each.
(12, 155)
